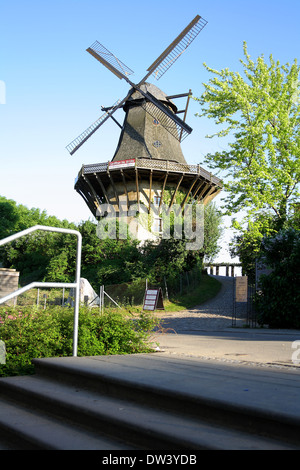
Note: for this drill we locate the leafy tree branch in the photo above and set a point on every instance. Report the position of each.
(260, 112)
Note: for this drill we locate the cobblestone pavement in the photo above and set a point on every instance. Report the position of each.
(215, 314)
(205, 332)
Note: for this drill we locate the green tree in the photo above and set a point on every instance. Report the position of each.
(44, 256)
(212, 231)
(279, 300)
(261, 111)
(58, 268)
(16, 217)
(33, 254)
(108, 260)
(248, 242)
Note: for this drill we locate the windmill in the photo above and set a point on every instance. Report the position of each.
(148, 160)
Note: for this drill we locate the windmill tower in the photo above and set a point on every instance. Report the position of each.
(148, 168)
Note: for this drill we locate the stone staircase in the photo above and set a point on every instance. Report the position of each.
(150, 402)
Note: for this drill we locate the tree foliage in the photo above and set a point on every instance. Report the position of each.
(46, 256)
(247, 244)
(212, 232)
(34, 254)
(260, 111)
(278, 304)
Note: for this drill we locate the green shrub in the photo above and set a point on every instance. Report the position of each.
(35, 333)
(279, 300)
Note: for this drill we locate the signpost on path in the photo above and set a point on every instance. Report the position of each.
(153, 300)
(240, 295)
(241, 289)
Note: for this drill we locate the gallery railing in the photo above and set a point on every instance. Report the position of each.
(162, 165)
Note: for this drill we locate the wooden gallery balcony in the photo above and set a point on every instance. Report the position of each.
(139, 180)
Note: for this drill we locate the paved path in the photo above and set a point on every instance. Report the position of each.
(214, 314)
(205, 332)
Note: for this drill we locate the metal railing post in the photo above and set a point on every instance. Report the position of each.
(75, 285)
(77, 294)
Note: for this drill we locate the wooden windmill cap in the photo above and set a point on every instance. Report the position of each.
(155, 91)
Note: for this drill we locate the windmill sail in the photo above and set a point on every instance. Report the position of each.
(172, 123)
(177, 47)
(109, 60)
(85, 135)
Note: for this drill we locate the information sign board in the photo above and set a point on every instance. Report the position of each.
(241, 289)
(153, 299)
(121, 164)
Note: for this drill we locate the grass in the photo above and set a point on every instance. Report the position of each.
(206, 290)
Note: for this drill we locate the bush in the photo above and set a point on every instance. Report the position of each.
(34, 333)
(278, 304)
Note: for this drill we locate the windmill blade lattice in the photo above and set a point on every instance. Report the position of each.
(110, 61)
(85, 135)
(172, 123)
(177, 47)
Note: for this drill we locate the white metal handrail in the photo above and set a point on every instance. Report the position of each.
(75, 285)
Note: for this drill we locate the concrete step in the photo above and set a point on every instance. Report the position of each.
(122, 420)
(145, 402)
(28, 428)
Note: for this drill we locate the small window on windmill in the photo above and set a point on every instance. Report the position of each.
(157, 144)
(156, 200)
(157, 225)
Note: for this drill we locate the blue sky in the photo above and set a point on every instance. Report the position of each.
(54, 89)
